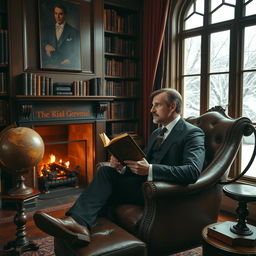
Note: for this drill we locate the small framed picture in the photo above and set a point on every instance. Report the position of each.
(59, 33)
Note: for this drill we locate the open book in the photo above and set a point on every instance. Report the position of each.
(123, 147)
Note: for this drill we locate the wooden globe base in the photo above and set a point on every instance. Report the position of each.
(20, 188)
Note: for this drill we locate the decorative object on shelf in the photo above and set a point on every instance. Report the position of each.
(21, 148)
(240, 233)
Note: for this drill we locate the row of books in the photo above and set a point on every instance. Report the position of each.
(122, 127)
(122, 88)
(38, 85)
(3, 112)
(119, 22)
(4, 57)
(120, 46)
(126, 67)
(121, 109)
(90, 87)
(3, 82)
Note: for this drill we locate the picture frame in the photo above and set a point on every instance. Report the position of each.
(60, 34)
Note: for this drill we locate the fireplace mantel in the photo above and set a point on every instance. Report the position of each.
(34, 110)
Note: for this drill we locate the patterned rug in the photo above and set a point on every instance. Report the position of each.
(46, 249)
(193, 252)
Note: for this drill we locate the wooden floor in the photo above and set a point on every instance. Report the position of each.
(7, 230)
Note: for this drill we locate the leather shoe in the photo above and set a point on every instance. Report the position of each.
(66, 228)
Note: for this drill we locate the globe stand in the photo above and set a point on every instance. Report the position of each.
(20, 189)
(21, 243)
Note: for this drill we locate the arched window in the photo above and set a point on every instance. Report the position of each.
(216, 60)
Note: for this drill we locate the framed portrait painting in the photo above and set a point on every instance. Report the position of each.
(59, 32)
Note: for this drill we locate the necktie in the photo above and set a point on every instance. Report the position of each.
(59, 30)
(160, 137)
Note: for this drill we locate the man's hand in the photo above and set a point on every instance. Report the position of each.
(115, 163)
(139, 167)
(48, 49)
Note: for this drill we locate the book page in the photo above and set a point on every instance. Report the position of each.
(104, 139)
(118, 137)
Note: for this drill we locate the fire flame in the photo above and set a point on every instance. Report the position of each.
(52, 159)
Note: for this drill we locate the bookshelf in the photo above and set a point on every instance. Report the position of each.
(122, 67)
(4, 60)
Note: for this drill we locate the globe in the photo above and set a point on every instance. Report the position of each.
(21, 148)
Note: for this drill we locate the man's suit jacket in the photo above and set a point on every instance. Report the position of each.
(67, 47)
(181, 156)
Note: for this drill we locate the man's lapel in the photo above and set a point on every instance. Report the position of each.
(171, 138)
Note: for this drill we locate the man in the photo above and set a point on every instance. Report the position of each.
(176, 156)
(61, 47)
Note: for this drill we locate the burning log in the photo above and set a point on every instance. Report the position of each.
(55, 174)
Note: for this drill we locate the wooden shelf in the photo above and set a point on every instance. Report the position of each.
(63, 98)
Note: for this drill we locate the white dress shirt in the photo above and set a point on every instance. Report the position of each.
(169, 128)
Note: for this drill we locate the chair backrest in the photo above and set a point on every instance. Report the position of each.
(223, 136)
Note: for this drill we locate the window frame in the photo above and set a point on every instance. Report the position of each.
(176, 37)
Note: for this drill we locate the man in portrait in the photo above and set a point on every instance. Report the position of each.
(60, 42)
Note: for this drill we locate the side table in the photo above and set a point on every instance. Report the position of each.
(214, 247)
(21, 243)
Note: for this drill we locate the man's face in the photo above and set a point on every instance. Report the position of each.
(161, 112)
(59, 15)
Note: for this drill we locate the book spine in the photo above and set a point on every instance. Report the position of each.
(42, 81)
(63, 93)
(6, 53)
(38, 85)
(47, 86)
(62, 88)
(2, 46)
(51, 86)
(25, 83)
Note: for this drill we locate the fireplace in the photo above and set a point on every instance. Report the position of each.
(69, 128)
(68, 157)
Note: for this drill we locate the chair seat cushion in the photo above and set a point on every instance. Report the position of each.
(106, 239)
(128, 217)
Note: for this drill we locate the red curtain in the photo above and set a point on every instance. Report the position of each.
(155, 17)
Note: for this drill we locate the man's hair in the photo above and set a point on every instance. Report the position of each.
(61, 6)
(172, 95)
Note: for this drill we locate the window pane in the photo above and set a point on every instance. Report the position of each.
(195, 15)
(250, 8)
(191, 96)
(219, 90)
(219, 52)
(194, 21)
(247, 149)
(192, 55)
(249, 95)
(222, 12)
(250, 47)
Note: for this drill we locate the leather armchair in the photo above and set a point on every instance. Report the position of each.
(174, 215)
